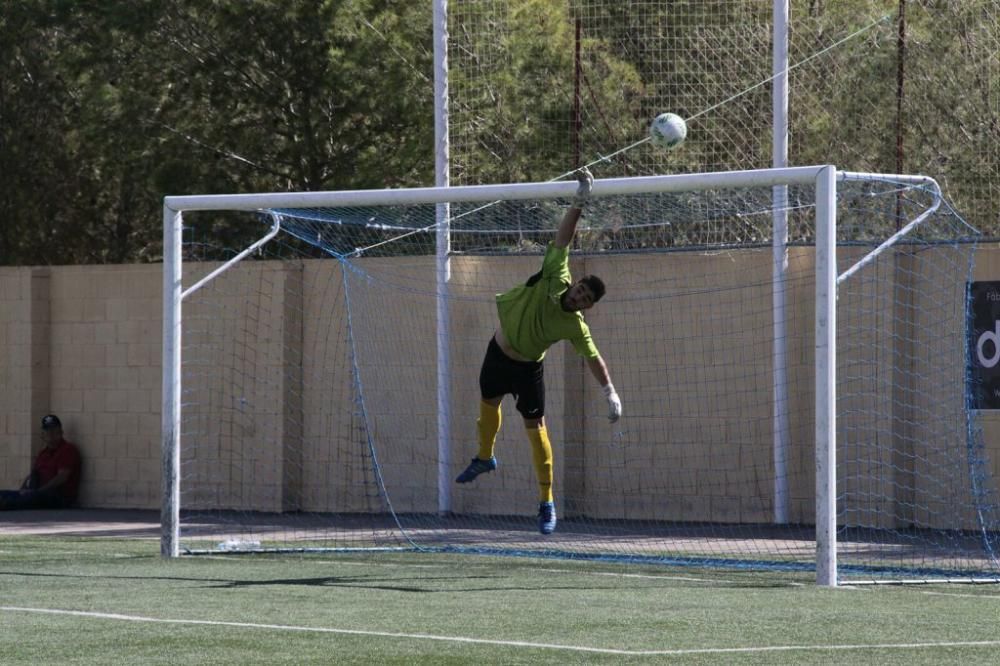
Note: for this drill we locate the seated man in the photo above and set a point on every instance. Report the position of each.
(55, 475)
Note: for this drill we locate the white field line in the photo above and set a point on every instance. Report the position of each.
(484, 641)
(992, 597)
(615, 574)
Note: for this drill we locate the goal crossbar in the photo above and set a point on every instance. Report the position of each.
(487, 193)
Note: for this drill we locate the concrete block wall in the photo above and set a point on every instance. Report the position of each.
(84, 342)
(105, 385)
(25, 367)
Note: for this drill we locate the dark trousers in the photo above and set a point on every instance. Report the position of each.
(15, 500)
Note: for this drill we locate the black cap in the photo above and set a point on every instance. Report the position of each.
(51, 421)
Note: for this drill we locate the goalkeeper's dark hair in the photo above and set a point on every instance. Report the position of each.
(596, 285)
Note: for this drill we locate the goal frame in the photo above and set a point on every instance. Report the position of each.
(823, 177)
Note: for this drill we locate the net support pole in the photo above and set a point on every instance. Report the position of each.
(826, 377)
(779, 194)
(170, 449)
(443, 272)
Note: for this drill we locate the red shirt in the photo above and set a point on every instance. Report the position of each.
(51, 459)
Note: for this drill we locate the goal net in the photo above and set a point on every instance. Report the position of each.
(321, 385)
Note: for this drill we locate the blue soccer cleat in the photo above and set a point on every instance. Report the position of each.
(475, 468)
(547, 517)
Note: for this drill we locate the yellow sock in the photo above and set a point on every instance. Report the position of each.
(541, 455)
(489, 426)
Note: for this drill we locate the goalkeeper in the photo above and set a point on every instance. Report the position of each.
(547, 308)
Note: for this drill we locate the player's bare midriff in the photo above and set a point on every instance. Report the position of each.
(507, 349)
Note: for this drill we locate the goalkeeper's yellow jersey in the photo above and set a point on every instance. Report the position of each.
(532, 318)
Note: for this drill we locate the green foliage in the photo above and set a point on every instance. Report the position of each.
(120, 103)
(523, 58)
(108, 105)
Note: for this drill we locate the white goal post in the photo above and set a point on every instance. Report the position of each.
(823, 179)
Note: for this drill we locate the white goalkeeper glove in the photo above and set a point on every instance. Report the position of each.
(586, 180)
(614, 403)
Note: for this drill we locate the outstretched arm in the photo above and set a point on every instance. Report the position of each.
(600, 372)
(567, 228)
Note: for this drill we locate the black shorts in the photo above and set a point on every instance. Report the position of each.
(501, 375)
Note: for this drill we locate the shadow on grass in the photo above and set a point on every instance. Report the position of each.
(392, 584)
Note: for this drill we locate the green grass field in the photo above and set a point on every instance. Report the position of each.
(115, 601)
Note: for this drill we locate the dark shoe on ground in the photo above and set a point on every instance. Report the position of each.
(547, 517)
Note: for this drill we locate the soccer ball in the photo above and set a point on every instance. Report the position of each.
(668, 131)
